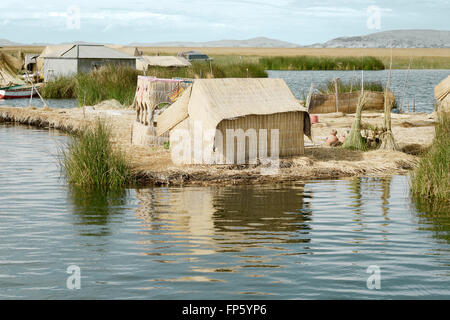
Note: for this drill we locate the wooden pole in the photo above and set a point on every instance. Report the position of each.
(336, 93)
(387, 107)
(308, 98)
(31, 94)
(351, 89)
(404, 85)
(210, 69)
(33, 88)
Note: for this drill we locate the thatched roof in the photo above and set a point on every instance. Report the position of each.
(212, 100)
(55, 50)
(87, 51)
(52, 52)
(8, 79)
(442, 89)
(161, 61)
(132, 51)
(10, 63)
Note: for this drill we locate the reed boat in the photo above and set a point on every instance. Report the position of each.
(347, 102)
(18, 91)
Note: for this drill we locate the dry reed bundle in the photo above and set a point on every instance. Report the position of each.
(387, 137)
(9, 66)
(442, 89)
(355, 140)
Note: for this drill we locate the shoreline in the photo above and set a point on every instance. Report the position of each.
(153, 165)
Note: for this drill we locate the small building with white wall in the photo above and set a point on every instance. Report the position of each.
(73, 59)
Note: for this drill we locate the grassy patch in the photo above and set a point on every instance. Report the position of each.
(344, 86)
(62, 87)
(90, 162)
(430, 181)
(418, 62)
(222, 68)
(321, 63)
(108, 82)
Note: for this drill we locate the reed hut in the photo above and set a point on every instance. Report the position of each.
(442, 94)
(347, 102)
(237, 105)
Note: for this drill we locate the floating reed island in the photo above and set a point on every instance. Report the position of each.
(153, 164)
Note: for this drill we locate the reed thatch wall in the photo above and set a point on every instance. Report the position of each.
(151, 92)
(442, 89)
(290, 134)
(442, 94)
(347, 102)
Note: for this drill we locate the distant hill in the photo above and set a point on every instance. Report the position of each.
(400, 39)
(260, 42)
(5, 42)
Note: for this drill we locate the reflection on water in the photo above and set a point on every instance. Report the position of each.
(438, 223)
(94, 207)
(313, 239)
(215, 220)
(298, 235)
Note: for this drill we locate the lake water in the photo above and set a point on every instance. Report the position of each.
(420, 86)
(52, 103)
(304, 240)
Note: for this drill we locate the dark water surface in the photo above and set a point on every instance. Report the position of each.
(312, 239)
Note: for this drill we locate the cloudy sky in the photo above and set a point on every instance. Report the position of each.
(297, 21)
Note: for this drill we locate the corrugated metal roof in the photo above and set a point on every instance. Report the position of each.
(84, 51)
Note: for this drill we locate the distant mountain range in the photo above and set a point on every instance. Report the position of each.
(6, 42)
(399, 39)
(260, 42)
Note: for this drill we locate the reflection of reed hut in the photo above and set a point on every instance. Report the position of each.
(347, 102)
(145, 62)
(442, 94)
(82, 58)
(236, 214)
(159, 204)
(235, 104)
